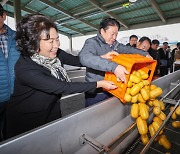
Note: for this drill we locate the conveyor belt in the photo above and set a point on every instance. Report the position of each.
(173, 135)
(103, 124)
(77, 75)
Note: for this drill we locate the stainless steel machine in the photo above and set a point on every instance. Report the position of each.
(105, 127)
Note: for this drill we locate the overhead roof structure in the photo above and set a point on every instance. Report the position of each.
(82, 17)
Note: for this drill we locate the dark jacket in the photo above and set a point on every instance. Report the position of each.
(154, 53)
(94, 48)
(35, 96)
(68, 58)
(164, 62)
(128, 44)
(7, 67)
(164, 57)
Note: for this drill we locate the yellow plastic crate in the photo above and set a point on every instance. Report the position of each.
(132, 62)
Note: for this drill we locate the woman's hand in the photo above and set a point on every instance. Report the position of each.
(110, 55)
(120, 72)
(108, 85)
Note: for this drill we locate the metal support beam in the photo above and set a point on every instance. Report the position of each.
(17, 10)
(22, 8)
(95, 11)
(74, 29)
(143, 25)
(30, 11)
(64, 33)
(158, 10)
(70, 44)
(67, 13)
(102, 8)
(92, 9)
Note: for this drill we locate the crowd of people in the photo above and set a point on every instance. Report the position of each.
(33, 78)
(163, 54)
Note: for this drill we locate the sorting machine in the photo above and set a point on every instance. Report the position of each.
(106, 127)
(77, 75)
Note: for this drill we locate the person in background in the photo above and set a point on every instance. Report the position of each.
(164, 59)
(144, 43)
(94, 56)
(154, 53)
(8, 58)
(177, 55)
(177, 52)
(40, 79)
(174, 52)
(133, 39)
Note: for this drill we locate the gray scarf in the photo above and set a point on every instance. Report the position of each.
(54, 65)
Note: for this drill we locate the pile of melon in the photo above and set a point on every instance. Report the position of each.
(143, 96)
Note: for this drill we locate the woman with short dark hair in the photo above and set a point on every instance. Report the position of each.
(40, 79)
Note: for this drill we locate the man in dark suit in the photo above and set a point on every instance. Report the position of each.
(164, 59)
(154, 53)
(132, 41)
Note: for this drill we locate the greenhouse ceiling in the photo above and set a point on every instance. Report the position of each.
(82, 17)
